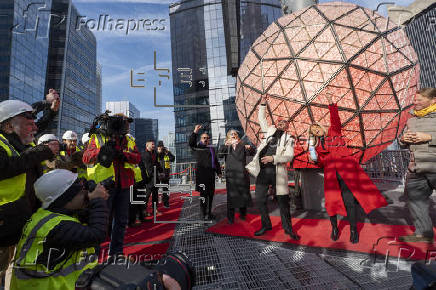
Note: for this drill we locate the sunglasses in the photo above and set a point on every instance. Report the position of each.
(205, 137)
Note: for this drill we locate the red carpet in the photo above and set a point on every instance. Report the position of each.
(151, 239)
(377, 238)
(224, 191)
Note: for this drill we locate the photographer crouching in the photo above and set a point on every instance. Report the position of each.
(112, 153)
(57, 247)
(50, 251)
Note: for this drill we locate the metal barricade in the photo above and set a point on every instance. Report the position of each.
(186, 171)
(388, 166)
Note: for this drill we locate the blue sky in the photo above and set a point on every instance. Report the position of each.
(119, 53)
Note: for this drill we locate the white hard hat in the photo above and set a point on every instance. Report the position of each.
(69, 135)
(85, 138)
(11, 108)
(52, 185)
(47, 138)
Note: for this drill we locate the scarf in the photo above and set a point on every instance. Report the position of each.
(425, 111)
(212, 154)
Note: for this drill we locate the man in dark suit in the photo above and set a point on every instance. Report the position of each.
(149, 161)
(207, 167)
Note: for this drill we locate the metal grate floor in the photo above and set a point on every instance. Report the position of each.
(225, 262)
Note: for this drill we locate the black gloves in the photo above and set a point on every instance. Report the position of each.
(107, 154)
(120, 156)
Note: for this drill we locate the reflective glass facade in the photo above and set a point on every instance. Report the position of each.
(24, 43)
(421, 30)
(72, 71)
(146, 129)
(190, 75)
(255, 17)
(198, 40)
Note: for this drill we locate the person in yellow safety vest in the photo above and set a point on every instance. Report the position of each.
(57, 162)
(20, 166)
(72, 153)
(85, 141)
(46, 139)
(56, 246)
(137, 210)
(114, 156)
(165, 157)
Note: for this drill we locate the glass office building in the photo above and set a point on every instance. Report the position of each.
(421, 30)
(24, 44)
(126, 108)
(146, 129)
(71, 70)
(203, 34)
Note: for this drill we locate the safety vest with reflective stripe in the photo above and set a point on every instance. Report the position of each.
(98, 172)
(138, 174)
(167, 162)
(13, 188)
(28, 274)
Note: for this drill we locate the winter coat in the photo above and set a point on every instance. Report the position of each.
(205, 173)
(69, 236)
(237, 178)
(14, 215)
(148, 162)
(336, 157)
(424, 154)
(284, 154)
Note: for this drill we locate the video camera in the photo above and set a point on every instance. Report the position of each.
(110, 125)
(139, 276)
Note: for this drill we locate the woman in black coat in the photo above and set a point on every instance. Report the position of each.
(235, 152)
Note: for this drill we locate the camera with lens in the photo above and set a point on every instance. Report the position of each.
(108, 184)
(117, 125)
(62, 147)
(145, 275)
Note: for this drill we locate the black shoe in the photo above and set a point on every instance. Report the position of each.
(292, 234)
(262, 231)
(166, 205)
(354, 236)
(211, 216)
(335, 234)
(243, 217)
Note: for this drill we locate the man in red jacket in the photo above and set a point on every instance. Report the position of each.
(114, 155)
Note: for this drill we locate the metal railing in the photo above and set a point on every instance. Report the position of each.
(388, 166)
(181, 173)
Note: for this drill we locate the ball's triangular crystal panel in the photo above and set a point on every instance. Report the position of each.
(341, 49)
